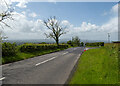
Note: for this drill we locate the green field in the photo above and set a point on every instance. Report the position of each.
(98, 66)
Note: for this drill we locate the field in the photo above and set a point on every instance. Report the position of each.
(98, 66)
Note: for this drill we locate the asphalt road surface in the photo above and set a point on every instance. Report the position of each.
(53, 68)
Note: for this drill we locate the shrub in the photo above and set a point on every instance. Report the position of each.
(70, 43)
(8, 49)
(82, 44)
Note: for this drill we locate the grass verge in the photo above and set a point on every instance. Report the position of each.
(98, 66)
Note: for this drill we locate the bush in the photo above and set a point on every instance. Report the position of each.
(70, 43)
(82, 44)
(40, 47)
(8, 49)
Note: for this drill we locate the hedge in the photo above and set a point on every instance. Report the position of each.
(40, 47)
(95, 44)
(8, 49)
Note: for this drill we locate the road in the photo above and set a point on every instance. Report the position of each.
(53, 68)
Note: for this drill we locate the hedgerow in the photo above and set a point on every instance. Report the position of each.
(8, 49)
(95, 44)
(40, 47)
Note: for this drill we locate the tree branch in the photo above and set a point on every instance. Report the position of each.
(55, 27)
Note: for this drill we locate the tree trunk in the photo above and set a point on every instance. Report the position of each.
(57, 41)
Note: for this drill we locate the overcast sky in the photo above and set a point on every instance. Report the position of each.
(87, 20)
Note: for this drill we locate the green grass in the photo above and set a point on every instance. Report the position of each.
(21, 55)
(98, 66)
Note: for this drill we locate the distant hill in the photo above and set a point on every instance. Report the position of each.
(19, 42)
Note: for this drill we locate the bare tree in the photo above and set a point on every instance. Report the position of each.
(56, 28)
(5, 14)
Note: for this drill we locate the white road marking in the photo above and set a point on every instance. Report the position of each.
(65, 53)
(2, 78)
(45, 61)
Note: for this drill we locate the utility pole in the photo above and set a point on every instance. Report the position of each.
(108, 37)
